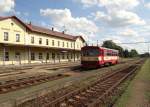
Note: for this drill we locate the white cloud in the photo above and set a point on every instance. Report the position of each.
(128, 33)
(6, 6)
(147, 5)
(142, 47)
(119, 4)
(115, 38)
(111, 4)
(75, 25)
(122, 23)
(17, 13)
(119, 18)
(26, 14)
(88, 3)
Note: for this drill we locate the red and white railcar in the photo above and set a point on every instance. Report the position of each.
(95, 56)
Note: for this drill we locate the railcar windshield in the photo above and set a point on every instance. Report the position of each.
(90, 52)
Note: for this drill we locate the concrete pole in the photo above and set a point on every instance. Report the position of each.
(29, 55)
(4, 50)
(74, 52)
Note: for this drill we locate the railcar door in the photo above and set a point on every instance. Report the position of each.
(102, 56)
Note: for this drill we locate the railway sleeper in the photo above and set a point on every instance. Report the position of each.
(14, 87)
(75, 103)
(80, 97)
(106, 85)
(4, 89)
(98, 91)
(93, 95)
(86, 95)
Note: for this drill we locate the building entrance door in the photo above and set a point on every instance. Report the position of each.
(17, 58)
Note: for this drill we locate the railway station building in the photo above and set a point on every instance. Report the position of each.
(22, 43)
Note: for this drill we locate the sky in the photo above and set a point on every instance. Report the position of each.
(123, 21)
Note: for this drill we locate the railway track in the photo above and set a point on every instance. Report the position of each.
(11, 74)
(12, 71)
(15, 84)
(93, 95)
(62, 97)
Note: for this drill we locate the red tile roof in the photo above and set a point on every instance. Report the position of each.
(50, 32)
(43, 30)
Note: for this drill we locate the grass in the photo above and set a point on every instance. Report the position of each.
(51, 86)
(143, 75)
(147, 94)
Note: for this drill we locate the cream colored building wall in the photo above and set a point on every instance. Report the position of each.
(79, 43)
(50, 39)
(1, 55)
(36, 51)
(24, 56)
(12, 56)
(13, 27)
(25, 37)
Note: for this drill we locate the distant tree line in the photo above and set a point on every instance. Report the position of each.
(145, 55)
(122, 52)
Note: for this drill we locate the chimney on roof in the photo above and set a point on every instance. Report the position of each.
(63, 32)
(52, 29)
(30, 23)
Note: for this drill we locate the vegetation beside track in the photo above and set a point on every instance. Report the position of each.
(34, 91)
(138, 92)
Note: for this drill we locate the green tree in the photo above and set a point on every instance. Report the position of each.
(126, 53)
(145, 54)
(133, 53)
(110, 44)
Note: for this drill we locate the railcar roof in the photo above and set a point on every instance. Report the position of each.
(100, 47)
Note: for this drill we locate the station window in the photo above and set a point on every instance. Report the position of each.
(17, 37)
(47, 42)
(53, 43)
(53, 55)
(58, 56)
(40, 40)
(32, 39)
(77, 56)
(71, 44)
(63, 56)
(40, 56)
(67, 45)
(71, 56)
(5, 36)
(32, 56)
(17, 55)
(12, 24)
(6, 56)
(63, 44)
(67, 56)
(47, 56)
(58, 43)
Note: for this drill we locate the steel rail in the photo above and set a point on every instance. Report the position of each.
(63, 98)
(29, 81)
